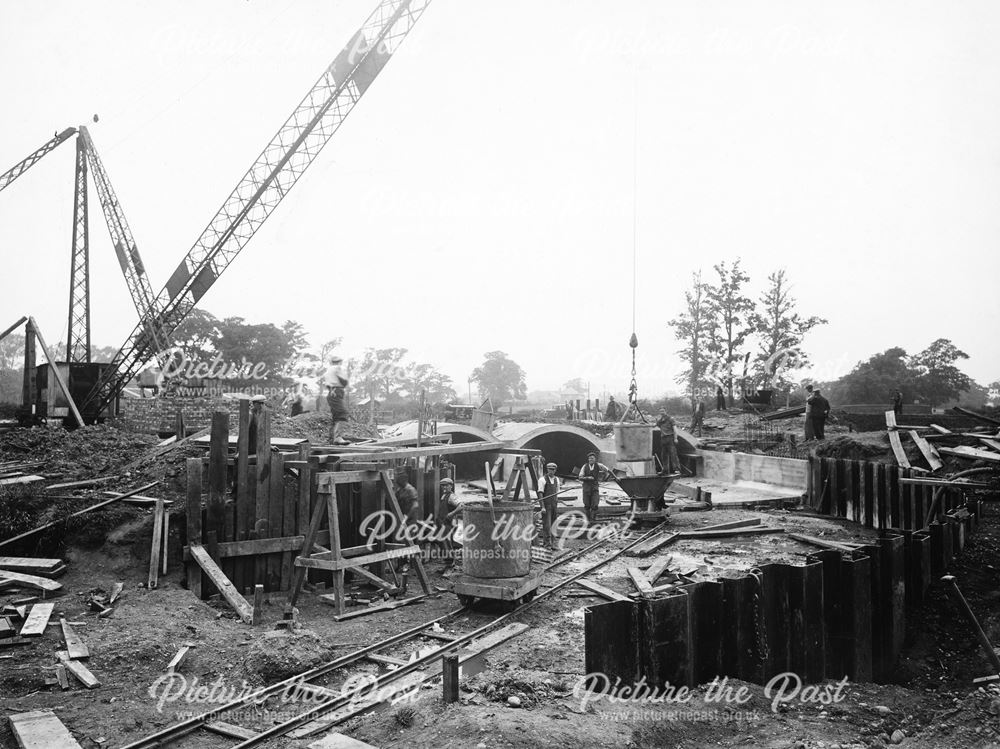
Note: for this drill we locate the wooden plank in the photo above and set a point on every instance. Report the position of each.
(640, 581)
(286, 503)
(326, 481)
(823, 543)
(991, 443)
(262, 495)
(305, 490)
(30, 565)
(80, 672)
(940, 429)
(658, 568)
(14, 327)
(178, 659)
(323, 561)
(732, 524)
(31, 581)
(653, 544)
(927, 450)
(75, 647)
(76, 484)
(194, 530)
(442, 450)
(56, 373)
(229, 730)
(602, 591)
(155, 551)
(38, 620)
(894, 441)
(329, 599)
(243, 504)
(222, 584)
(733, 532)
(41, 729)
(971, 453)
(947, 483)
(17, 480)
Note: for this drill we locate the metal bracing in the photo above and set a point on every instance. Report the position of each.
(78, 332)
(272, 175)
(22, 166)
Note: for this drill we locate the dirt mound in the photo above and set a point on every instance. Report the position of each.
(315, 427)
(81, 453)
(867, 446)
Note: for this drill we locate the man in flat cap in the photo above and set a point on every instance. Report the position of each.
(590, 475)
(548, 490)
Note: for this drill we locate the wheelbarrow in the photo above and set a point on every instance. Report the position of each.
(642, 490)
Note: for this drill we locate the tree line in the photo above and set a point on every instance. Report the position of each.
(728, 339)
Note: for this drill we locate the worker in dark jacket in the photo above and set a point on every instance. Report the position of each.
(611, 414)
(818, 413)
(720, 399)
(810, 400)
(590, 476)
(669, 461)
(897, 403)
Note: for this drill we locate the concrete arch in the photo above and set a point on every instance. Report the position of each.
(460, 432)
(563, 444)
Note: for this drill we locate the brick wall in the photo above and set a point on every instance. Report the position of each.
(152, 415)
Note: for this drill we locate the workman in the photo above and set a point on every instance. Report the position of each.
(818, 413)
(591, 474)
(409, 505)
(810, 400)
(669, 461)
(549, 487)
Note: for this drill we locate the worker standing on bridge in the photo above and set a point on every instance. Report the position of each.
(336, 383)
(820, 410)
(590, 475)
(897, 403)
(549, 487)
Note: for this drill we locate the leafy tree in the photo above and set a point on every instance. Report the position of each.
(197, 335)
(382, 367)
(693, 328)
(875, 380)
(437, 387)
(102, 353)
(265, 343)
(929, 377)
(938, 379)
(12, 351)
(499, 378)
(730, 311)
(781, 330)
(576, 385)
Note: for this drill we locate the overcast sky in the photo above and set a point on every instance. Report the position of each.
(481, 196)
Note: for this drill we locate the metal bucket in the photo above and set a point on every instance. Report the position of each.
(634, 441)
(507, 555)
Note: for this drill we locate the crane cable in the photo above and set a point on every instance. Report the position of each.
(633, 342)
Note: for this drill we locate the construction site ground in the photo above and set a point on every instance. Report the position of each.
(931, 699)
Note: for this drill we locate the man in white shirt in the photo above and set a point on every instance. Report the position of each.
(549, 487)
(590, 476)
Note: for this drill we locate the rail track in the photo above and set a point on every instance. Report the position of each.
(330, 707)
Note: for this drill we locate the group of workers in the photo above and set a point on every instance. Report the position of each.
(449, 505)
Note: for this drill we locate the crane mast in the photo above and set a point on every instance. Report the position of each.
(121, 237)
(78, 331)
(275, 171)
